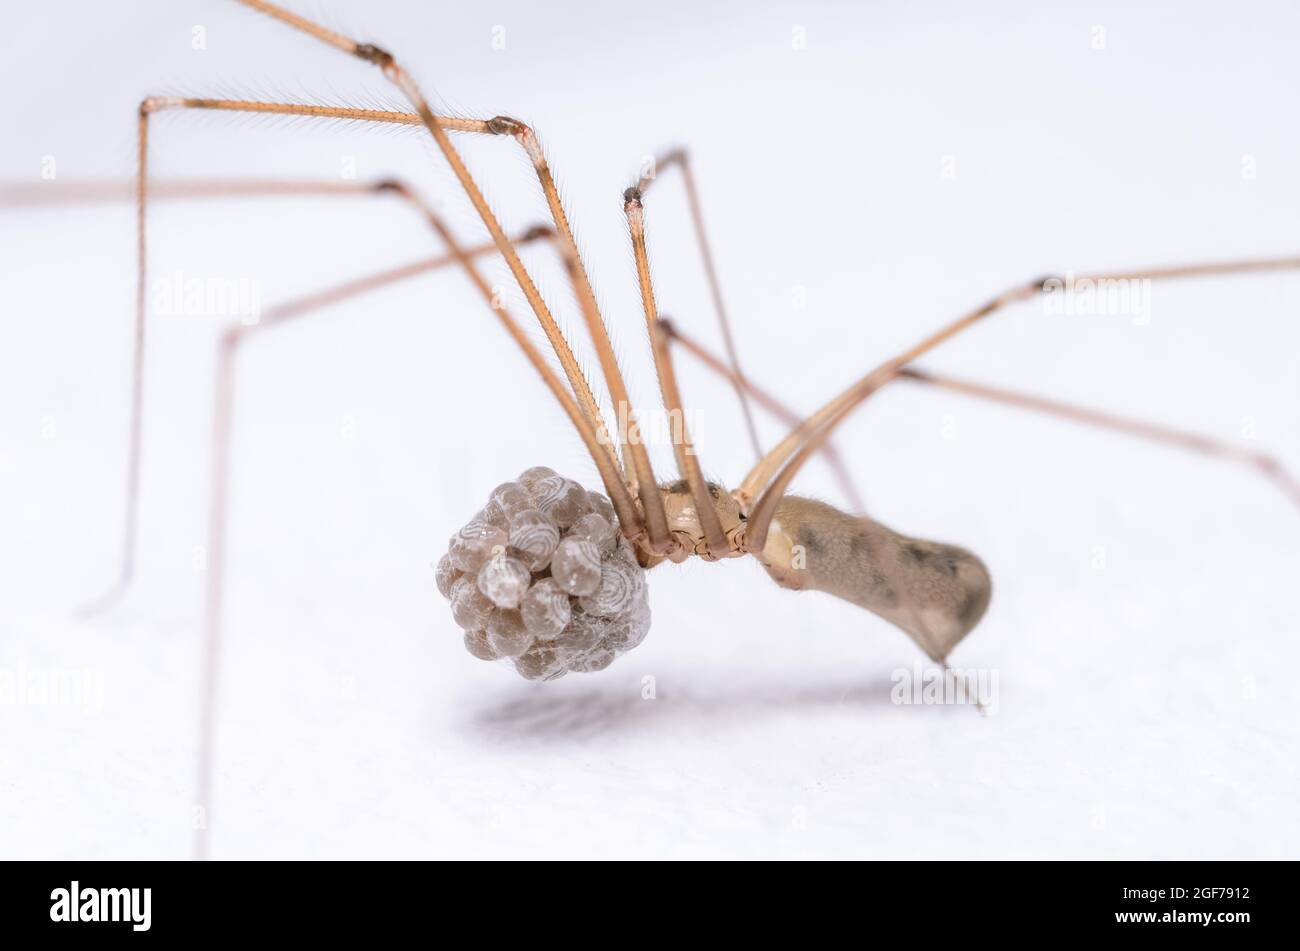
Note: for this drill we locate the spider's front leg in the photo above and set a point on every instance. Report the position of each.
(815, 544)
(935, 592)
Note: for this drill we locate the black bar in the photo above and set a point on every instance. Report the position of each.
(941, 901)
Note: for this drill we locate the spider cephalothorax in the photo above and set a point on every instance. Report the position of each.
(689, 537)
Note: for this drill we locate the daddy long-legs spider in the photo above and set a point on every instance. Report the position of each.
(690, 325)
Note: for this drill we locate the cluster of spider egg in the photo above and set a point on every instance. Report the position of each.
(542, 576)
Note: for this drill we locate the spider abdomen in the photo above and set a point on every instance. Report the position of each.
(933, 591)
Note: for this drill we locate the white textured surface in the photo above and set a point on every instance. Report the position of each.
(1146, 709)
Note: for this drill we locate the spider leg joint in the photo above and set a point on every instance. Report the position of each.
(150, 104)
(374, 54)
(504, 125)
(392, 185)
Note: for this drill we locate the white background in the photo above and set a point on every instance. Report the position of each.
(1144, 625)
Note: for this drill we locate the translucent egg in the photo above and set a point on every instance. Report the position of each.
(474, 544)
(593, 661)
(628, 630)
(595, 529)
(492, 515)
(562, 499)
(603, 507)
(504, 579)
(583, 632)
(511, 498)
(621, 586)
(530, 477)
(541, 662)
(546, 609)
(543, 577)
(535, 537)
(575, 566)
(445, 575)
(476, 642)
(506, 633)
(469, 606)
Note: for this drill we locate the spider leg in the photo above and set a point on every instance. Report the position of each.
(221, 442)
(154, 104)
(680, 159)
(79, 193)
(1266, 465)
(775, 471)
(632, 520)
(687, 463)
(658, 541)
(672, 334)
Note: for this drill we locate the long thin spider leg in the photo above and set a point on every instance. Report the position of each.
(499, 125)
(130, 514)
(595, 439)
(767, 401)
(804, 439)
(222, 425)
(203, 188)
(370, 282)
(210, 650)
(236, 188)
(687, 462)
(229, 188)
(155, 104)
(1265, 464)
(635, 458)
(656, 521)
(681, 159)
(85, 192)
(161, 103)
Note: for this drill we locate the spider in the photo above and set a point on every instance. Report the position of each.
(935, 592)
